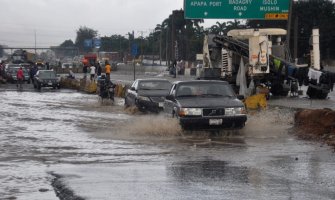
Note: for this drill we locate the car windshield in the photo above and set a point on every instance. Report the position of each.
(47, 74)
(205, 90)
(15, 69)
(154, 85)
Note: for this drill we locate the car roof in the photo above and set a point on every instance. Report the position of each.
(201, 81)
(45, 70)
(13, 65)
(152, 79)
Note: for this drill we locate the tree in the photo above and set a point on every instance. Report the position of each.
(309, 14)
(84, 33)
(67, 43)
(218, 28)
(66, 49)
(1, 51)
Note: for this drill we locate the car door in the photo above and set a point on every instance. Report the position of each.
(170, 101)
(132, 94)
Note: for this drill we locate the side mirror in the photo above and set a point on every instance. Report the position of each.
(170, 97)
(240, 97)
(132, 88)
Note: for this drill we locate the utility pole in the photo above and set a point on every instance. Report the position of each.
(295, 49)
(160, 47)
(288, 36)
(35, 45)
(167, 46)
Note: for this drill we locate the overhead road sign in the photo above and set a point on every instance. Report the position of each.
(134, 49)
(88, 43)
(97, 42)
(236, 9)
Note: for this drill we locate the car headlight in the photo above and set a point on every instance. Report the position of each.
(142, 98)
(190, 112)
(235, 111)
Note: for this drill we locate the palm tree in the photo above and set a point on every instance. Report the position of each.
(218, 28)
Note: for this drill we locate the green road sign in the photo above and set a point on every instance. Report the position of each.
(236, 9)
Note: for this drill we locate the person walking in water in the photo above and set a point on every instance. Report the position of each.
(85, 71)
(92, 72)
(20, 77)
(108, 70)
(99, 69)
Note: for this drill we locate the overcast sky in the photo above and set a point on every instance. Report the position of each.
(57, 20)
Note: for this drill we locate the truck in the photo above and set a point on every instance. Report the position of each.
(247, 58)
(101, 57)
(22, 56)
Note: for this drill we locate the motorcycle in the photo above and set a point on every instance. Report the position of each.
(107, 90)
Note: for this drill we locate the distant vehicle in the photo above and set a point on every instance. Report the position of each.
(22, 56)
(120, 64)
(205, 104)
(26, 65)
(148, 94)
(67, 65)
(11, 71)
(46, 78)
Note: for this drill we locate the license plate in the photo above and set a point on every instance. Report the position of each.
(160, 104)
(49, 83)
(215, 121)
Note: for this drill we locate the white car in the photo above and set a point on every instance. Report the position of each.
(67, 65)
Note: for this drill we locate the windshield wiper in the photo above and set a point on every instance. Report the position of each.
(212, 95)
(188, 95)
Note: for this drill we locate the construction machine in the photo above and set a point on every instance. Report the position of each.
(250, 57)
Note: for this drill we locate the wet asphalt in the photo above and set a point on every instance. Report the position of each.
(64, 144)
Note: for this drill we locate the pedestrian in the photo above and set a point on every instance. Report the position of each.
(174, 68)
(32, 72)
(92, 72)
(20, 77)
(1, 69)
(85, 71)
(99, 69)
(108, 70)
(206, 61)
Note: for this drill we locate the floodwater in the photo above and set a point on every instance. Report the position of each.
(61, 144)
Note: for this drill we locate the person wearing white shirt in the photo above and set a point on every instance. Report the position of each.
(92, 72)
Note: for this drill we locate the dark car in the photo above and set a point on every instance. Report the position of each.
(148, 94)
(46, 78)
(11, 71)
(205, 104)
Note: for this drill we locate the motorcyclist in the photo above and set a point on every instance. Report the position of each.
(107, 89)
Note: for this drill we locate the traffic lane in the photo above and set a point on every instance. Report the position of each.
(303, 101)
(262, 161)
(40, 129)
(133, 141)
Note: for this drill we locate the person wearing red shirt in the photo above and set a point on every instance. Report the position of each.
(20, 77)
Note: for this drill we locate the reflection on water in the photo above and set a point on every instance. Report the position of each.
(215, 170)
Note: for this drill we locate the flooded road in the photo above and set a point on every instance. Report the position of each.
(61, 144)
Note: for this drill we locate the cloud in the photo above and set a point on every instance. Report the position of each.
(57, 20)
